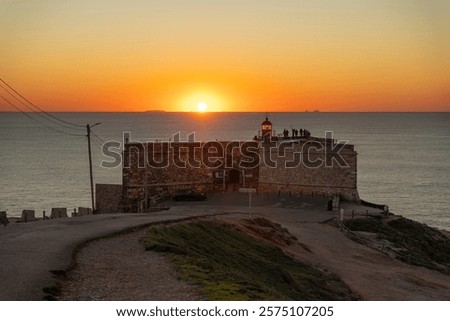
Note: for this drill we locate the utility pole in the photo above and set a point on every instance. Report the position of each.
(88, 128)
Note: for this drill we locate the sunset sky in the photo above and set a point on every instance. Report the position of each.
(266, 55)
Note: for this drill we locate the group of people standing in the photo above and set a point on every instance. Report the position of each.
(296, 133)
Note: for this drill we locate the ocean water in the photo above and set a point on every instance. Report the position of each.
(403, 158)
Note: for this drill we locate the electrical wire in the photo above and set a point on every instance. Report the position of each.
(37, 122)
(97, 142)
(96, 136)
(43, 111)
(38, 113)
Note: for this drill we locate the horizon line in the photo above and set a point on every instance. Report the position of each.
(223, 112)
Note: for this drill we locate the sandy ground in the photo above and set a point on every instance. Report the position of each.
(103, 274)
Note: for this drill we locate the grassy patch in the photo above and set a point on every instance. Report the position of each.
(415, 243)
(230, 265)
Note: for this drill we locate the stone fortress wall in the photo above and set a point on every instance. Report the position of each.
(311, 167)
(297, 164)
(159, 170)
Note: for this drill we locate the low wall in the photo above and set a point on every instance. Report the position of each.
(384, 208)
(108, 198)
(28, 216)
(350, 193)
(3, 218)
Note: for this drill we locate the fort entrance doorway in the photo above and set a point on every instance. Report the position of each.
(234, 176)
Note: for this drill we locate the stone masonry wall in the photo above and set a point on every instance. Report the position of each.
(159, 170)
(108, 198)
(305, 166)
(309, 173)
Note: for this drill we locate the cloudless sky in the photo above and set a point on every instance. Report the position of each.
(266, 55)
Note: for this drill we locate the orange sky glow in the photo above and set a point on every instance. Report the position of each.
(132, 56)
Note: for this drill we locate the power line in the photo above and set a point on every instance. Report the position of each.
(88, 128)
(96, 136)
(97, 139)
(42, 114)
(97, 142)
(26, 114)
(37, 113)
(43, 111)
(37, 122)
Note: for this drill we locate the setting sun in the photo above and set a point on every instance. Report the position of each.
(201, 107)
(201, 99)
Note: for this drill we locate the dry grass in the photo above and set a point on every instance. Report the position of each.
(230, 265)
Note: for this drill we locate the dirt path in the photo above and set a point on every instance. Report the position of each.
(118, 268)
(371, 274)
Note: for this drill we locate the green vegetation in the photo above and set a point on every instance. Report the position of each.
(414, 243)
(230, 265)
